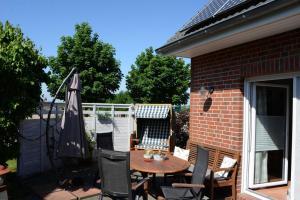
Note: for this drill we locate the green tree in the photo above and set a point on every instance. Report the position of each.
(100, 72)
(158, 79)
(21, 74)
(122, 97)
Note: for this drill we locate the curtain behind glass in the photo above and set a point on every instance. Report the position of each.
(261, 157)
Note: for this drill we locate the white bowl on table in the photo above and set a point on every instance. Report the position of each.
(158, 157)
(147, 156)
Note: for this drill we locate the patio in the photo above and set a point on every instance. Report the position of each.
(44, 187)
(81, 180)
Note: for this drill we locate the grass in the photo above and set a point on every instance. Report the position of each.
(12, 165)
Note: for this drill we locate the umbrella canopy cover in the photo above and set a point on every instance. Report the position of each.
(72, 140)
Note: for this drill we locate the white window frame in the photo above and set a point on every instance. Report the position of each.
(295, 159)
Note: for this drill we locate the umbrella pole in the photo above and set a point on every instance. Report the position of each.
(50, 156)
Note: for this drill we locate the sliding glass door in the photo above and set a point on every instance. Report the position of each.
(269, 135)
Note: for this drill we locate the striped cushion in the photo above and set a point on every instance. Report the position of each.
(154, 134)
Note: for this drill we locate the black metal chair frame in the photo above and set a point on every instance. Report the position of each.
(195, 188)
(103, 141)
(112, 186)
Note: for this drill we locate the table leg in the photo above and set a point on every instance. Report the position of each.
(146, 186)
(155, 186)
(154, 177)
(165, 178)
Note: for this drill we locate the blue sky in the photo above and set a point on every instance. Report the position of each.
(129, 25)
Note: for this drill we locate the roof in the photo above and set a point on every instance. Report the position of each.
(213, 12)
(152, 111)
(211, 9)
(224, 23)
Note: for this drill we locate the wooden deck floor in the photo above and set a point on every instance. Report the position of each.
(276, 193)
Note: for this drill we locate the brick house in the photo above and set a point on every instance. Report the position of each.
(248, 52)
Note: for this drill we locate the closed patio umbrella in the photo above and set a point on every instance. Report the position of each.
(72, 140)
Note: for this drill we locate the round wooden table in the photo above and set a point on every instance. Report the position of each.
(171, 165)
(168, 166)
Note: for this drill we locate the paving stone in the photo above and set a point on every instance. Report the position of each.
(88, 193)
(61, 195)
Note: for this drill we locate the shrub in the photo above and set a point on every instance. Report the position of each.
(181, 128)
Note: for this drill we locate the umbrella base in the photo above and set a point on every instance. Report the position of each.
(71, 175)
(70, 183)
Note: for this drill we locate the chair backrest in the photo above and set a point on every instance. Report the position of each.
(105, 141)
(216, 154)
(200, 168)
(114, 170)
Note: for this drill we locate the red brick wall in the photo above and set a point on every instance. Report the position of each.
(219, 121)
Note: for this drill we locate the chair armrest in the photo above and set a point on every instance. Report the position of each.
(140, 183)
(133, 175)
(3, 188)
(133, 141)
(187, 185)
(224, 169)
(189, 174)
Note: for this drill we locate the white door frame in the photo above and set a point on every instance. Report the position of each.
(253, 136)
(295, 173)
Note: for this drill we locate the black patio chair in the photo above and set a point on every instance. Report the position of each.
(194, 190)
(116, 183)
(103, 141)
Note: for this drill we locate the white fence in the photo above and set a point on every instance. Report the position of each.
(115, 118)
(99, 118)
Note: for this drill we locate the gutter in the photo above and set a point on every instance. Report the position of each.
(252, 13)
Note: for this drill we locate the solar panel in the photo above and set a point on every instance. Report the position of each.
(212, 8)
(229, 4)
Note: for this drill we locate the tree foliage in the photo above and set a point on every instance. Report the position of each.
(158, 79)
(122, 97)
(21, 74)
(100, 72)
